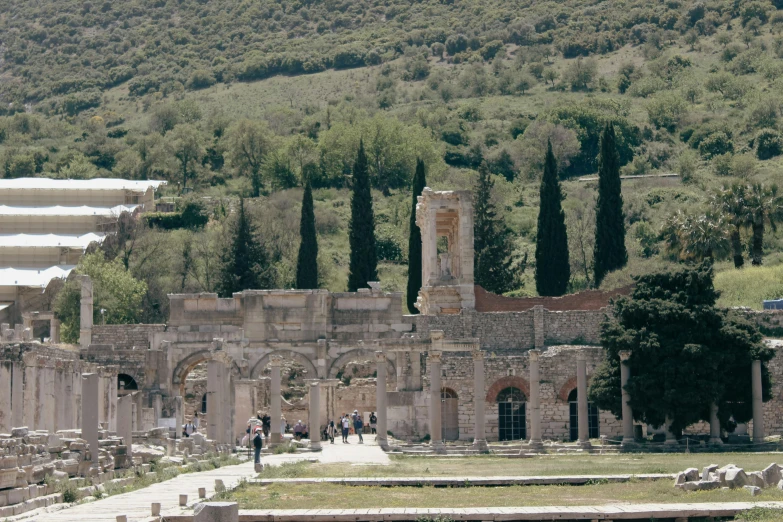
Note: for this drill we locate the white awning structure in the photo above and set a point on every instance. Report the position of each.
(33, 277)
(79, 184)
(58, 210)
(49, 240)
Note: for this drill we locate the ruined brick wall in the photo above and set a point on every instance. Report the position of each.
(587, 300)
(573, 327)
(125, 335)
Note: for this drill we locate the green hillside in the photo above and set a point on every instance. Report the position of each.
(180, 89)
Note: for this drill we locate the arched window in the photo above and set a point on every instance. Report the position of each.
(592, 417)
(511, 414)
(449, 414)
(126, 382)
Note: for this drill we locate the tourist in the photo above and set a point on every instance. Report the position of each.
(358, 425)
(189, 429)
(195, 420)
(331, 431)
(283, 426)
(373, 422)
(246, 438)
(258, 443)
(346, 421)
(266, 423)
(298, 428)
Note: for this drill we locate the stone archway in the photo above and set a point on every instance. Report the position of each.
(259, 366)
(512, 381)
(337, 364)
(186, 365)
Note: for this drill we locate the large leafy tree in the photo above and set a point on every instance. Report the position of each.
(364, 261)
(491, 240)
(610, 253)
(187, 145)
(249, 142)
(414, 239)
(244, 263)
(553, 270)
(686, 353)
(115, 291)
(307, 261)
(696, 237)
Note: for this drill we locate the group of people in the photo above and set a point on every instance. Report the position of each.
(346, 424)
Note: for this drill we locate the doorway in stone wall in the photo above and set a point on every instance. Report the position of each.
(592, 417)
(511, 414)
(449, 413)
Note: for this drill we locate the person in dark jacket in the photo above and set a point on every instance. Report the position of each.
(258, 443)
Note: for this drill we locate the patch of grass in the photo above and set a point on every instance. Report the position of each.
(287, 470)
(484, 466)
(284, 448)
(335, 496)
(761, 514)
(749, 286)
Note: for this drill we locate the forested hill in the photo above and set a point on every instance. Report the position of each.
(55, 48)
(229, 99)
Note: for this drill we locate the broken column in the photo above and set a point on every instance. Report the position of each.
(276, 411)
(381, 400)
(6, 372)
(627, 412)
(479, 431)
(17, 396)
(714, 425)
(177, 417)
(535, 442)
(90, 397)
(214, 389)
(581, 399)
(125, 422)
(31, 402)
(436, 435)
(85, 317)
(315, 416)
(758, 405)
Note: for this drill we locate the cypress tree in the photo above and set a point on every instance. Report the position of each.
(244, 263)
(414, 240)
(307, 262)
(364, 260)
(552, 268)
(610, 253)
(491, 240)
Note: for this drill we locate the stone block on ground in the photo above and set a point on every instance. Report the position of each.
(680, 479)
(216, 512)
(691, 474)
(772, 474)
(755, 478)
(736, 478)
(753, 490)
(705, 473)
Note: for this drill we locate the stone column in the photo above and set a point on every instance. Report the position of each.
(177, 416)
(6, 371)
(85, 317)
(54, 331)
(415, 369)
(76, 383)
(157, 403)
(315, 416)
(213, 396)
(436, 435)
(61, 400)
(134, 420)
(479, 430)
(49, 402)
(627, 412)
(30, 395)
(714, 426)
(125, 422)
(581, 398)
(275, 398)
(17, 396)
(112, 401)
(535, 442)
(758, 405)
(539, 335)
(90, 394)
(381, 401)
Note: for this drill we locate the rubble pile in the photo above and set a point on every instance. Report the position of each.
(729, 477)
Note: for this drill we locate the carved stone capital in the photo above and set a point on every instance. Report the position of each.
(624, 355)
(380, 357)
(534, 355)
(275, 360)
(478, 355)
(435, 357)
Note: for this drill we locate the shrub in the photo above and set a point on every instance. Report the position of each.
(200, 79)
(743, 165)
(722, 164)
(666, 110)
(716, 144)
(768, 144)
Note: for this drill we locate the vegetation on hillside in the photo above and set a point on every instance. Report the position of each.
(238, 99)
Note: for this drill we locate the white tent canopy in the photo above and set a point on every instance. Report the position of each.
(35, 277)
(58, 210)
(79, 184)
(49, 240)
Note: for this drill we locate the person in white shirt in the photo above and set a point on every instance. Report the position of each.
(346, 420)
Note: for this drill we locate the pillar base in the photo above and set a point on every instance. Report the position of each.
(275, 439)
(671, 442)
(438, 446)
(584, 444)
(715, 441)
(628, 441)
(383, 443)
(481, 446)
(315, 446)
(536, 446)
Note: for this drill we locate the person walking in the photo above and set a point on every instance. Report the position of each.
(283, 425)
(346, 421)
(358, 426)
(331, 431)
(266, 424)
(246, 438)
(298, 428)
(196, 420)
(258, 443)
(189, 429)
(373, 422)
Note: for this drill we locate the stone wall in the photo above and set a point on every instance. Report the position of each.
(587, 300)
(125, 336)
